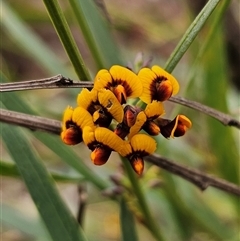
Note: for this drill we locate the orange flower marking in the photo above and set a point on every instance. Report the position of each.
(121, 81)
(102, 142)
(72, 125)
(102, 105)
(139, 146)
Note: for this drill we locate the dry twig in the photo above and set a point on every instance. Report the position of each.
(60, 81)
(200, 179)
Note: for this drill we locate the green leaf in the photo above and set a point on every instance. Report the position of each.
(138, 191)
(97, 33)
(191, 211)
(65, 35)
(221, 141)
(127, 223)
(10, 170)
(27, 40)
(56, 216)
(190, 35)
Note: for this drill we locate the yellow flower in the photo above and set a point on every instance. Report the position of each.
(74, 121)
(102, 142)
(157, 84)
(174, 128)
(90, 120)
(121, 81)
(141, 119)
(136, 119)
(153, 111)
(102, 105)
(140, 145)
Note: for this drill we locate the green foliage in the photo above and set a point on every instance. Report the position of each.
(173, 210)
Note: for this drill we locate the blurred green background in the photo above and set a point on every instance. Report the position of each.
(208, 73)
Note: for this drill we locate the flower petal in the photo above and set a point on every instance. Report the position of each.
(109, 101)
(102, 80)
(154, 109)
(102, 117)
(71, 136)
(140, 120)
(108, 138)
(128, 79)
(146, 76)
(67, 116)
(125, 149)
(100, 155)
(137, 164)
(120, 93)
(161, 72)
(86, 98)
(88, 136)
(174, 128)
(157, 84)
(82, 117)
(151, 128)
(130, 115)
(183, 124)
(143, 144)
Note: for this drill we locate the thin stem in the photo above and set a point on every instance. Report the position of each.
(190, 35)
(148, 220)
(60, 81)
(200, 179)
(54, 82)
(65, 35)
(223, 118)
(31, 121)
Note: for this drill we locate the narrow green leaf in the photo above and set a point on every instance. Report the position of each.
(222, 144)
(57, 218)
(127, 223)
(191, 211)
(13, 218)
(71, 158)
(149, 221)
(10, 170)
(97, 33)
(27, 40)
(190, 35)
(13, 102)
(65, 35)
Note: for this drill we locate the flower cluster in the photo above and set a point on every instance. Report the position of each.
(105, 122)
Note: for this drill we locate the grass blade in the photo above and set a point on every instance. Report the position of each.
(96, 33)
(127, 223)
(57, 218)
(10, 170)
(65, 35)
(190, 35)
(32, 45)
(150, 223)
(11, 217)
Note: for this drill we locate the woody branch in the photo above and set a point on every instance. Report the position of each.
(198, 178)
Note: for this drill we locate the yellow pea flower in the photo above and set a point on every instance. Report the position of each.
(157, 84)
(121, 81)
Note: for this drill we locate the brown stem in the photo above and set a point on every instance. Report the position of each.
(223, 118)
(54, 82)
(200, 179)
(60, 81)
